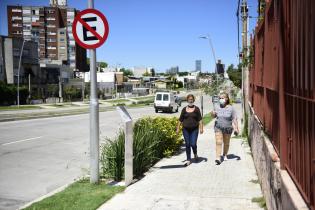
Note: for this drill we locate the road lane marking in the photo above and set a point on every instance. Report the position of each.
(14, 142)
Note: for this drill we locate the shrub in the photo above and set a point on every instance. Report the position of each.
(112, 157)
(153, 139)
(8, 94)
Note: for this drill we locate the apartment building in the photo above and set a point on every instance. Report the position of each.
(51, 28)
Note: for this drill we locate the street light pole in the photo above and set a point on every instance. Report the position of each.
(18, 75)
(213, 53)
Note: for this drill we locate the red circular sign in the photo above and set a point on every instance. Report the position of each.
(87, 28)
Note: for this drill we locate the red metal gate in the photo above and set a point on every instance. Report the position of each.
(284, 48)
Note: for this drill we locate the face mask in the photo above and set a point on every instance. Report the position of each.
(222, 101)
(190, 104)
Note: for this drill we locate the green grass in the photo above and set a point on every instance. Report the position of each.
(136, 105)
(144, 98)
(5, 108)
(207, 118)
(118, 101)
(261, 202)
(80, 195)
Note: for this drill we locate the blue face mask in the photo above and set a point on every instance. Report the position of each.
(222, 101)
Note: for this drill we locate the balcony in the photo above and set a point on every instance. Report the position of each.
(16, 18)
(16, 10)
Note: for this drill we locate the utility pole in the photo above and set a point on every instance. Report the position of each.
(60, 86)
(245, 53)
(214, 58)
(94, 116)
(29, 86)
(18, 75)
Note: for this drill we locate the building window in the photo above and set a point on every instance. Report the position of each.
(26, 27)
(16, 52)
(51, 55)
(16, 25)
(17, 32)
(51, 40)
(16, 18)
(62, 32)
(51, 33)
(51, 26)
(27, 11)
(62, 39)
(16, 10)
(51, 11)
(62, 48)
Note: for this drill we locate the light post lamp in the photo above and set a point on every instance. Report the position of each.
(215, 60)
(18, 75)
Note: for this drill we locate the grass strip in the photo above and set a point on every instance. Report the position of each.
(79, 195)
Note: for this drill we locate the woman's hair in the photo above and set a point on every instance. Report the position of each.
(226, 96)
(190, 96)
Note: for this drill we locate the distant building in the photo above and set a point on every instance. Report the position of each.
(51, 28)
(140, 71)
(173, 70)
(198, 65)
(220, 67)
(10, 50)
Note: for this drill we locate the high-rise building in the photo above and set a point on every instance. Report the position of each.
(198, 65)
(220, 67)
(173, 70)
(51, 28)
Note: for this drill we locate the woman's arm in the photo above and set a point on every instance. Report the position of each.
(235, 125)
(213, 114)
(201, 126)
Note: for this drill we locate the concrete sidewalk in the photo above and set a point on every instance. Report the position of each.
(200, 186)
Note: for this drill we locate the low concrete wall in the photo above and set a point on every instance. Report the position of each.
(278, 188)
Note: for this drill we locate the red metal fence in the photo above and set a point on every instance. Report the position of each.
(282, 86)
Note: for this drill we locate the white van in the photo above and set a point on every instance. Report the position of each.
(165, 101)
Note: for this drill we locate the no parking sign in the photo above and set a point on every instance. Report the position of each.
(90, 28)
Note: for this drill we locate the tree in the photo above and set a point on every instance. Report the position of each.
(153, 72)
(180, 84)
(235, 75)
(126, 72)
(146, 74)
(72, 93)
(103, 64)
(185, 73)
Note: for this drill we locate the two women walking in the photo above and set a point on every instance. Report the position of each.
(191, 121)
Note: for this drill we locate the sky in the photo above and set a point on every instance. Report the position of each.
(161, 33)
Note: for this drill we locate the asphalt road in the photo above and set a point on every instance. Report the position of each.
(38, 156)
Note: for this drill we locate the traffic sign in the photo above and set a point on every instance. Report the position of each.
(90, 28)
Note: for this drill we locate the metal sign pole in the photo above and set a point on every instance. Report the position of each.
(94, 116)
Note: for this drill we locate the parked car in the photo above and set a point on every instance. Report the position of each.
(178, 100)
(165, 101)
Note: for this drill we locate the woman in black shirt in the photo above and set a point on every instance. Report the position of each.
(191, 120)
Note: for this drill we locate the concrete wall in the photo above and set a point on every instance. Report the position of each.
(9, 61)
(278, 188)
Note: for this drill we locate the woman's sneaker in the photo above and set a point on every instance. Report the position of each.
(196, 157)
(188, 162)
(217, 161)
